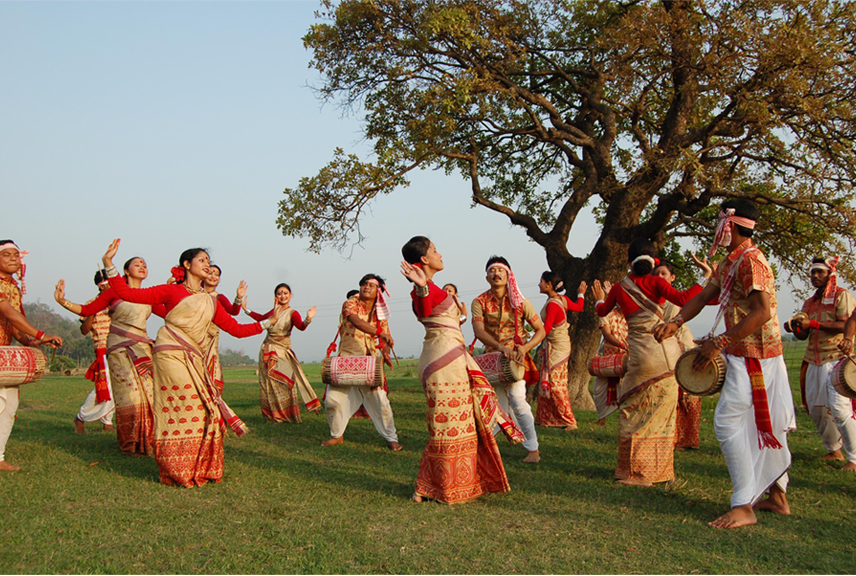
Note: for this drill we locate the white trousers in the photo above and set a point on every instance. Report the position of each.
(90, 411)
(9, 398)
(816, 383)
(599, 395)
(342, 402)
(512, 398)
(841, 410)
(754, 470)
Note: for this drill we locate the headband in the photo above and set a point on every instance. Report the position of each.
(644, 257)
(23, 270)
(723, 230)
(382, 306)
(831, 266)
(514, 293)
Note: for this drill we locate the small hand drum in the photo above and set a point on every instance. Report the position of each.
(704, 383)
(352, 371)
(798, 316)
(844, 377)
(498, 369)
(609, 366)
(21, 365)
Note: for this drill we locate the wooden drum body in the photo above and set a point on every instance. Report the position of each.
(498, 369)
(609, 366)
(844, 377)
(21, 365)
(704, 383)
(352, 371)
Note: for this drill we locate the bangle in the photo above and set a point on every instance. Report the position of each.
(307, 321)
(40, 335)
(677, 320)
(722, 341)
(265, 324)
(238, 300)
(581, 296)
(65, 304)
(422, 291)
(814, 324)
(111, 272)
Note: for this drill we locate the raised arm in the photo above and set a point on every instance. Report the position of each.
(690, 310)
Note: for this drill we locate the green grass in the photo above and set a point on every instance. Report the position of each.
(286, 505)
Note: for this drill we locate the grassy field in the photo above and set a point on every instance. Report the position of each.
(286, 505)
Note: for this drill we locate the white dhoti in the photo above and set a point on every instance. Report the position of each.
(600, 394)
(841, 410)
(92, 411)
(512, 398)
(816, 383)
(9, 398)
(754, 470)
(342, 402)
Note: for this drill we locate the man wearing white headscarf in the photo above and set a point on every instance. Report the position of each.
(828, 309)
(498, 317)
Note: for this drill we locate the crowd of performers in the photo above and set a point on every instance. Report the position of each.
(166, 393)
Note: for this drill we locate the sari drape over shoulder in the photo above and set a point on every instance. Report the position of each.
(554, 403)
(462, 460)
(281, 376)
(647, 397)
(129, 358)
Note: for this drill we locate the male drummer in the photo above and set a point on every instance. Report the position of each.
(828, 309)
(755, 409)
(364, 332)
(14, 324)
(498, 317)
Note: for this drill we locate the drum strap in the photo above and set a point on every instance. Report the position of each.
(332, 347)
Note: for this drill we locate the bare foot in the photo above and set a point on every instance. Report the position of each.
(332, 441)
(834, 455)
(534, 456)
(79, 426)
(571, 427)
(850, 467)
(6, 467)
(601, 422)
(680, 448)
(639, 483)
(775, 502)
(735, 518)
(394, 446)
(416, 498)
(107, 427)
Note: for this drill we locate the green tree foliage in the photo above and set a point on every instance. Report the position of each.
(650, 112)
(74, 344)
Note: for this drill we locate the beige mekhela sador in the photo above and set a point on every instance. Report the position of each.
(554, 403)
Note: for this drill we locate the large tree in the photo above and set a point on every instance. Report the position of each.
(650, 112)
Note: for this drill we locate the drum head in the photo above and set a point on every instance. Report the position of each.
(847, 379)
(701, 383)
(517, 370)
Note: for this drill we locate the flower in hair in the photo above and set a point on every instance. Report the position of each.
(178, 272)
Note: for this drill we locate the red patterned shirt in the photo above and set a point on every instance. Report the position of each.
(9, 291)
(753, 275)
(618, 326)
(100, 328)
(355, 342)
(822, 345)
(499, 320)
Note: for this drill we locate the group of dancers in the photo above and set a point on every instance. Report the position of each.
(167, 393)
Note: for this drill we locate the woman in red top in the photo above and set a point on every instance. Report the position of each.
(129, 358)
(648, 392)
(554, 405)
(212, 354)
(188, 420)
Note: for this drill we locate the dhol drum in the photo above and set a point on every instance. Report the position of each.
(498, 369)
(609, 366)
(844, 377)
(352, 371)
(21, 365)
(703, 383)
(802, 316)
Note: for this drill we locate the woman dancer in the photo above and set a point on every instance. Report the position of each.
(554, 405)
(188, 420)
(452, 291)
(129, 358)
(280, 373)
(212, 344)
(648, 392)
(462, 460)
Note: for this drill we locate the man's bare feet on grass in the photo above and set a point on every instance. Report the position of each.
(849, 467)
(571, 427)
(775, 502)
(834, 455)
(534, 456)
(79, 426)
(735, 518)
(601, 422)
(394, 446)
(6, 467)
(332, 441)
(639, 483)
(417, 498)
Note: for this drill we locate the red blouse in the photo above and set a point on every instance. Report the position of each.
(227, 305)
(169, 295)
(424, 305)
(296, 320)
(555, 314)
(106, 298)
(653, 287)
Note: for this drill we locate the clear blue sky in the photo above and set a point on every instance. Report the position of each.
(174, 125)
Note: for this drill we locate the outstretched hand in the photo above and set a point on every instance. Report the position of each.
(242, 290)
(59, 291)
(310, 314)
(582, 288)
(702, 264)
(597, 290)
(107, 259)
(414, 273)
